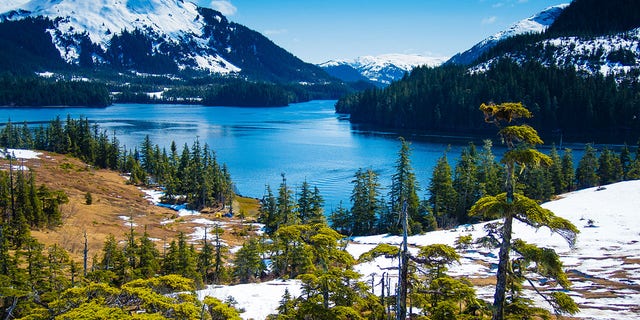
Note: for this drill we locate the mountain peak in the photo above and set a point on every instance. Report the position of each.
(155, 36)
(536, 23)
(101, 18)
(382, 69)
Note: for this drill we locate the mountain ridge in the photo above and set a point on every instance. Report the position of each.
(380, 70)
(174, 35)
(536, 23)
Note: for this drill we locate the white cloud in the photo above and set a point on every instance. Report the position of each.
(489, 20)
(224, 6)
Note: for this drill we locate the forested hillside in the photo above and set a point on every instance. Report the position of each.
(34, 91)
(596, 17)
(445, 100)
(579, 79)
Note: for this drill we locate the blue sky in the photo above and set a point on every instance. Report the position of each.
(317, 31)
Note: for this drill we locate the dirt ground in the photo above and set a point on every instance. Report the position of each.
(114, 202)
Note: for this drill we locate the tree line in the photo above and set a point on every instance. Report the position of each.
(37, 91)
(453, 190)
(596, 17)
(191, 175)
(441, 100)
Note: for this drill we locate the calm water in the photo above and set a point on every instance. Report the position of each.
(304, 141)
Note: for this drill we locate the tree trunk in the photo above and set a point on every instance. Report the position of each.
(503, 265)
(505, 247)
(404, 268)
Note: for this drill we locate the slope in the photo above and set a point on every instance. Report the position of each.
(537, 23)
(157, 36)
(604, 266)
(115, 209)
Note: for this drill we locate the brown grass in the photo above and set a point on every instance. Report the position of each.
(482, 282)
(112, 198)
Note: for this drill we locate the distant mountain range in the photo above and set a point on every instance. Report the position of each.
(384, 69)
(146, 36)
(534, 24)
(380, 70)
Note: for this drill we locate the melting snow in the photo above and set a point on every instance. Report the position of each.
(20, 153)
(604, 260)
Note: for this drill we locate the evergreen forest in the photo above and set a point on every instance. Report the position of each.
(566, 103)
(301, 241)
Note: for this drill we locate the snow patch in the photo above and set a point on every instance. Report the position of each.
(20, 154)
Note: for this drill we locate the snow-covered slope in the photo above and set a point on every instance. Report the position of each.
(147, 36)
(382, 69)
(172, 21)
(534, 24)
(616, 55)
(604, 266)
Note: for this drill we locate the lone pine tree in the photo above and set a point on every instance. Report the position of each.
(520, 141)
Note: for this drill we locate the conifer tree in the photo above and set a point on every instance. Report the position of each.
(331, 288)
(205, 258)
(317, 208)
(465, 182)
(248, 264)
(404, 189)
(364, 199)
(568, 171)
(520, 141)
(304, 202)
(186, 258)
(489, 171)
(21, 211)
(291, 253)
(633, 172)
(59, 266)
(537, 183)
(36, 265)
(609, 167)
(586, 173)
(286, 205)
(625, 160)
(340, 219)
(556, 173)
(443, 198)
(113, 263)
(268, 212)
(149, 264)
(220, 273)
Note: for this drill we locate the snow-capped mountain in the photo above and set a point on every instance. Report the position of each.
(157, 36)
(382, 69)
(535, 24)
(617, 55)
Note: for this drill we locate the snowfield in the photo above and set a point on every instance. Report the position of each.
(604, 265)
(173, 21)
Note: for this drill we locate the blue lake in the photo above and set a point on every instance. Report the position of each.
(303, 141)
